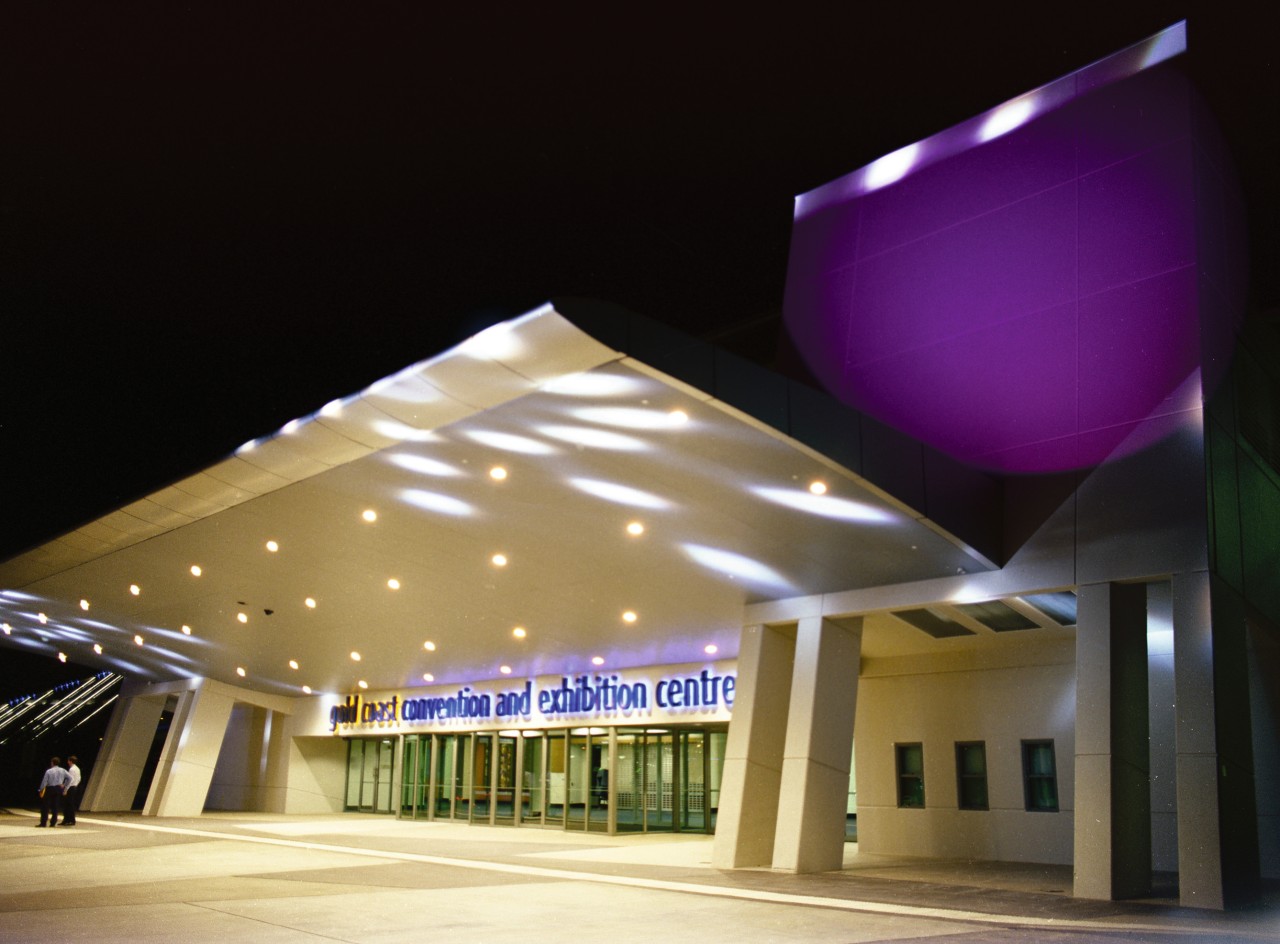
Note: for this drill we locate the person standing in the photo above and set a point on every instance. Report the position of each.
(71, 799)
(51, 788)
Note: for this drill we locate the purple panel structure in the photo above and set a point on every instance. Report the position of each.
(1022, 291)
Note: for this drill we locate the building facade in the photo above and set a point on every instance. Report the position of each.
(1002, 590)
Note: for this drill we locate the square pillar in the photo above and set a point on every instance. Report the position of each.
(190, 753)
(1112, 792)
(814, 791)
(752, 771)
(1218, 858)
(277, 762)
(124, 753)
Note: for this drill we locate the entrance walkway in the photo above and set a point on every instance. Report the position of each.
(351, 878)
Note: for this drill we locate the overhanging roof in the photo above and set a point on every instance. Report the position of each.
(591, 439)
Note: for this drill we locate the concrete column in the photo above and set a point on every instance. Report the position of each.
(190, 753)
(1217, 829)
(819, 746)
(1112, 793)
(277, 755)
(115, 777)
(752, 772)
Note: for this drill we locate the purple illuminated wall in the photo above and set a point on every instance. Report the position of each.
(1026, 290)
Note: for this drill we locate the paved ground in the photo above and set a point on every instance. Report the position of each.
(287, 880)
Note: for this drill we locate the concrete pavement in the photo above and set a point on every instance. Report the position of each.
(371, 879)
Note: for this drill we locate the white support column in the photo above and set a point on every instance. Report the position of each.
(1112, 853)
(752, 771)
(814, 790)
(277, 752)
(113, 782)
(190, 753)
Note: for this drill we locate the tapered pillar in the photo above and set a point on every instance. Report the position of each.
(752, 772)
(190, 754)
(814, 791)
(114, 780)
(1218, 859)
(1112, 793)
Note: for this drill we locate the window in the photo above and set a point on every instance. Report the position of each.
(971, 775)
(910, 764)
(1039, 776)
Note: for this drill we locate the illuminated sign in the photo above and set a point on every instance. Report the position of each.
(707, 691)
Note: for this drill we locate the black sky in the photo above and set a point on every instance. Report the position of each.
(216, 218)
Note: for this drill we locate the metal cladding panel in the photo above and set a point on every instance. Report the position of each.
(950, 289)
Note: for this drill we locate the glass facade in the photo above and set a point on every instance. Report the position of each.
(583, 778)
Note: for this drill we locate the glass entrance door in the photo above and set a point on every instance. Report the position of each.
(415, 798)
(668, 780)
(370, 762)
(691, 796)
(557, 782)
(659, 777)
(533, 792)
(507, 793)
(481, 777)
(446, 751)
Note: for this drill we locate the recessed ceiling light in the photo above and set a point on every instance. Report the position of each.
(7, 628)
(310, 602)
(293, 663)
(597, 660)
(97, 647)
(428, 677)
(519, 632)
(497, 473)
(134, 589)
(635, 529)
(369, 515)
(818, 488)
(679, 416)
(272, 546)
(629, 616)
(711, 649)
(504, 669)
(84, 604)
(44, 620)
(242, 617)
(429, 646)
(393, 583)
(355, 657)
(240, 671)
(499, 560)
(362, 683)
(186, 630)
(137, 640)
(195, 570)
(306, 689)
(62, 657)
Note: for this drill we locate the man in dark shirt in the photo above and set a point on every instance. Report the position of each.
(51, 789)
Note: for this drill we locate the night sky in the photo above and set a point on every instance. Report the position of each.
(215, 220)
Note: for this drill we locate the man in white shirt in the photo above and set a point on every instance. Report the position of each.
(71, 799)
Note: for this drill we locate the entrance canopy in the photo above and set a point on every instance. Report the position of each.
(529, 502)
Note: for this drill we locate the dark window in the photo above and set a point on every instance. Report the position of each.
(971, 775)
(910, 761)
(1039, 776)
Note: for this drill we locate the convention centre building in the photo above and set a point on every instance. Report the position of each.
(995, 580)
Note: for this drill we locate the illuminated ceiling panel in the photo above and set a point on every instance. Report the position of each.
(727, 519)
